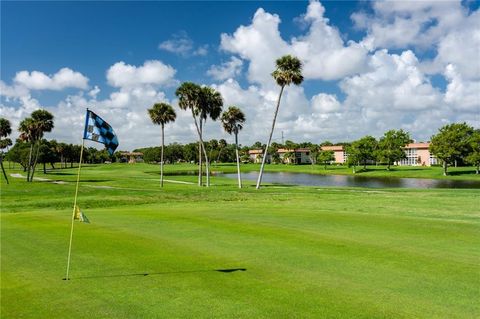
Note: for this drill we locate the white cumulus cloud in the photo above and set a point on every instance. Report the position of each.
(64, 78)
(152, 72)
(226, 70)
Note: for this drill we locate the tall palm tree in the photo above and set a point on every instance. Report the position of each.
(5, 130)
(288, 71)
(210, 106)
(32, 130)
(189, 98)
(232, 121)
(161, 114)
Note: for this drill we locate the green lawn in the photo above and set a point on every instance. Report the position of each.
(308, 252)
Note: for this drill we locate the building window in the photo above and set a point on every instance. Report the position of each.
(412, 158)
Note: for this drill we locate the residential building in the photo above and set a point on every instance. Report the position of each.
(287, 156)
(417, 154)
(339, 153)
(132, 157)
(256, 156)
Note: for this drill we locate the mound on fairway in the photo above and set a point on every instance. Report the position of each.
(220, 252)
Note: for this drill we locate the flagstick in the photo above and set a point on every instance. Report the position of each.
(73, 213)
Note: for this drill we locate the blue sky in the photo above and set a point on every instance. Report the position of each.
(348, 48)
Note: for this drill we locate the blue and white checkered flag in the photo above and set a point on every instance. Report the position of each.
(96, 129)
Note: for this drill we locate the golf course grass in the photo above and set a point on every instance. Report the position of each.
(194, 252)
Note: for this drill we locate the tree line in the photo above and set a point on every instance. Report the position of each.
(454, 142)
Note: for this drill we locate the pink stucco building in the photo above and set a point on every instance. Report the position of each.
(417, 154)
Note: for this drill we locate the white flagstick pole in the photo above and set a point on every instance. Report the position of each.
(73, 213)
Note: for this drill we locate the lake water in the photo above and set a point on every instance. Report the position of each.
(354, 181)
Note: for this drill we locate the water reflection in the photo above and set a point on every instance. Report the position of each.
(355, 181)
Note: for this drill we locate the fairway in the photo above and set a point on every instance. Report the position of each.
(220, 252)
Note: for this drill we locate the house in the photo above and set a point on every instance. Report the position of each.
(295, 156)
(132, 157)
(287, 156)
(256, 156)
(339, 152)
(417, 154)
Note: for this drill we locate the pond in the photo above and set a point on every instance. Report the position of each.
(354, 181)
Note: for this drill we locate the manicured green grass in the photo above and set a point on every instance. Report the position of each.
(308, 252)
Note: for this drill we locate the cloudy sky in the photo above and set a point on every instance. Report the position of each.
(368, 66)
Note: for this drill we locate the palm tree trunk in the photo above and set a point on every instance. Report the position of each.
(238, 160)
(29, 162)
(3, 169)
(202, 146)
(218, 157)
(35, 161)
(259, 181)
(161, 157)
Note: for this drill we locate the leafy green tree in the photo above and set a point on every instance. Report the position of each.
(222, 145)
(353, 158)
(190, 152)
(19, 154)
(5, 130)
(313, 153)
(232, 121)
(391, 146)
(213, 148)
(174, 153)
(450, 143)
(327, 143)
(289, 145)
(364, 150)
(47, 154)
(474, 156)
(289, 158)
(325, 157)
(257, 145)
(288, 70)
(161, 114)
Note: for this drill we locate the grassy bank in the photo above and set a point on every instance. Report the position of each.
(434, 172)
(285, 251)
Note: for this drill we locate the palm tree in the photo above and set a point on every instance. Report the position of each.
(210, 106)
(32, 130)
(288, 71)
(190, 98)
(232, 121)
(161, 114)
(5, 130)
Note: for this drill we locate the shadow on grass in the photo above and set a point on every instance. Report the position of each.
(459, 173)
(174, 173)
(59, 173)
(94, 180)
(227, 270)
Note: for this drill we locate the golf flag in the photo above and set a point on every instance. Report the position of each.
(96, 129)
(79, 215)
